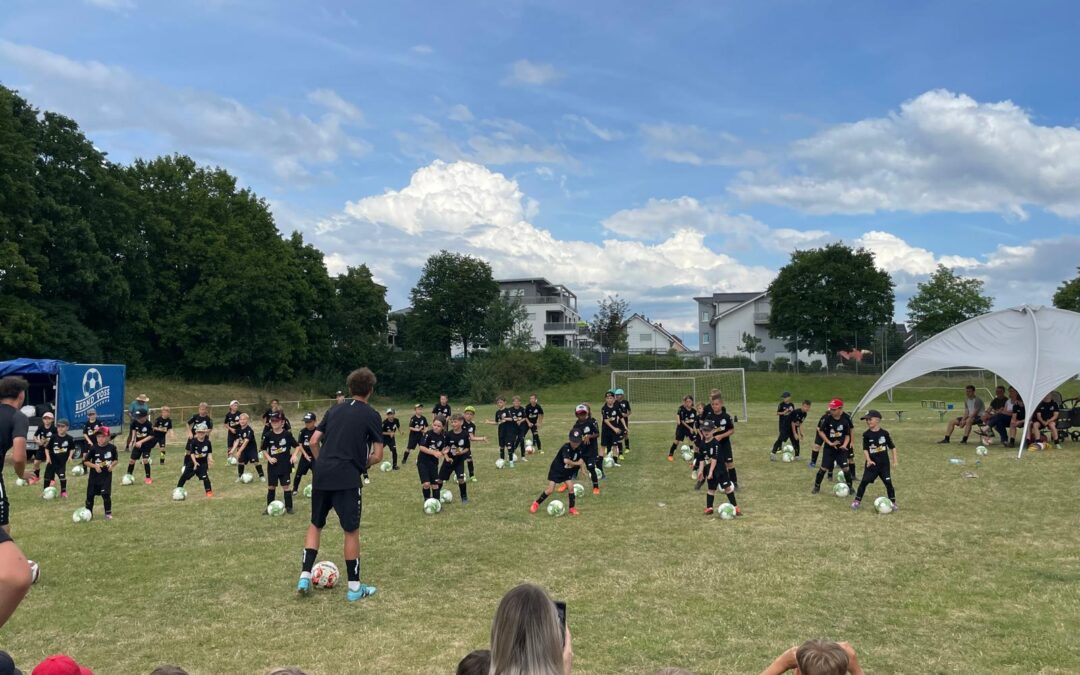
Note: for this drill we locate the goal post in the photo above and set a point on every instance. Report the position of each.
(654, 395)
(944, 385)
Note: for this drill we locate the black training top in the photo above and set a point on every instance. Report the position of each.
(877, 443)
(196, 418)
(390, 426)
(836, 429)
(199, 449)
(61, 445)
(533, 412)
(13, 424)
(417, 424)
(688, 417)
(1046, 409)
(279, 444)
(458, 441)
(100, 455)
(232, 420)
(440, 409)
(783, 410)
(349, 430)
(304, 439)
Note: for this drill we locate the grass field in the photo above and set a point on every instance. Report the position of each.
(972, 575)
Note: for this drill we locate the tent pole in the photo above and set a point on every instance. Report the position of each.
(1034, 379)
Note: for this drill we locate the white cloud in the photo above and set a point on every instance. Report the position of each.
(489, 142)
(894, 255)
(422, 49)
(112, 5)
(598, 131)
(940, 152)
(466, 207)
(460, 113)
(332, 101)
(689, 144)
(660, 217)
(524, 71)
(106, 98)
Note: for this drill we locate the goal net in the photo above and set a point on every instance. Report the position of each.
(654, 395)
(940, 388)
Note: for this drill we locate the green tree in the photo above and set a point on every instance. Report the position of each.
(944, 300)
(1068, 294)
(505, 325)
(449, 300)
(358, 325)
(608, 326)
(751, 345)
(824, 296)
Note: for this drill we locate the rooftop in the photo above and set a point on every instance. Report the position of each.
(731, 297)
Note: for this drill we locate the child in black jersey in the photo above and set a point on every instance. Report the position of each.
(140, 444)
(57, 454)
(611, 434)
(198, 458)
(713, 472)
(390, 426)
(277, 447)
(100, 460)
(302, 458)
(430, 449)
(162, 430)
(534, 414)
(470, 426)
(458, 450)
(246, 449)
(590, 431)
(877, 444)
(418, 426)
(561, 472)
(686, 418)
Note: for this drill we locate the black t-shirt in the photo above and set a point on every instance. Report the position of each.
(245, 434)
(232, 420)
(567, 453)
(389, 427)
(440, 409)
(88, 431)
(197, 418)
(349, 430)
(43, 435)
(458, 441)
(708, 414)
(59, 446)
(998, 404)
(796, 417)
(279, 444)
(624, 407)
(533, 413)
(503, 418)
(141, 429)
(783, 410)
(469, 428)
(432, 441)
(836, 429)
(589, 430)
(162, 425)
(1019, 410)
(877, 443)
(418, 424)
(100, 455)
(200, 449)
(304, 439)
(517, 414)
(710, 450)
(611, 414)
(687, 416)
(1046, 409)
(724, 424)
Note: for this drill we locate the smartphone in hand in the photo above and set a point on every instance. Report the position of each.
(560, 609)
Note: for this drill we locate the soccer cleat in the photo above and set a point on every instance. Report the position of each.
(148, 481)
(1057, 446)
(262, 479)
(64, 494)
(596, 490)
(563, 487)
(289, 511)
(511, 464)
(303, 587)
(523, 458)
(812, 465)
(237, 480)
(33, 480)
(535, 507)
(472, 479)
(817, 489)
(396, 468)
(855, 505)
(108, 516)
(738, 511)
(365, 591)
(772, 456)
(708, 510)
(367, 481)
(943, 441)
(895, 507)
(574, 511)
(209, 493)
(670, 458)
(464, 501)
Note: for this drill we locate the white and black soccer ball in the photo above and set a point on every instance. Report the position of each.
(35, 571)
(324, 574)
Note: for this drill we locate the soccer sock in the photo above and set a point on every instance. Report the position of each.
(206, 484)
(502, 452)
(464, 490)
(428, 493)
(405, 457)
(63, 485)
(671, 452)
(592, 474)
(472, 469)
(270, 494)
(814, 455)
(258, 467)
(536, 442)
(106, 500)
(573, 499)
(146, 469)
(776, 445)
(131, 469)
(820, 476)
(307, 561)
(709, 497)
(734, 476)
(288, 499)
(890, 491)
(964, 439)
(731, 498)
(37, 472)
(627, 442)
(850, 475)
(352, 569)
(541, 498)
(239, 470)
(862, 491)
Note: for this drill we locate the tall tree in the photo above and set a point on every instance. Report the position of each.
(824, 297)
(608, 326)
(944, 300)
(449, 300)
(751, 345)
(1068, 294)
(505, 324)
(359, 323)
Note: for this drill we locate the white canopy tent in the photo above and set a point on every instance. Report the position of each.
(1035, 349)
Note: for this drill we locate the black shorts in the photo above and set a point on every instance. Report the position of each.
(832, 457)
(346, 503)
(720, 478)
(609, 438)
(5, 505)
(726, 454)
(39, 453)
(454, 466)
(560, 474)
(141, 453)
(880, 469)
(683, 434)
(428, 468)
(414, 440)
(249, 455)
(390, 442)
(159, 439)
(507, 436)
(303, 464)
(280, 473)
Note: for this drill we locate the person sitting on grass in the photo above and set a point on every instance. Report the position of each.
(973, 413)
(527, 637)
(817, 657)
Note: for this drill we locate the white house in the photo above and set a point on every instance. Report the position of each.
(552, 312)
(723, 319)
(643, 335)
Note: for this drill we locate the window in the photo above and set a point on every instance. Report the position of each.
(645, 337)
(704, 315)
(704, 338)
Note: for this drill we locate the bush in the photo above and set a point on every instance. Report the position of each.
(763, 366)
(559, 366)
(781, 363)
(734, 362)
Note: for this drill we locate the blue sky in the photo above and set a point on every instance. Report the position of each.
(658, 151)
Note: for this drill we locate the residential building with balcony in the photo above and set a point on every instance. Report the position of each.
(643, 335)
(551, 310)
(723, 318)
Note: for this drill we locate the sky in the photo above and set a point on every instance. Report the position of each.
(658, 151)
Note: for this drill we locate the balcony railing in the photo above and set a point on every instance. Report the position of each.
(561, 326)
(761, 317)
(546, 300)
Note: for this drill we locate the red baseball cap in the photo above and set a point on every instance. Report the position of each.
(59, 664)
(102, 431)
(835, 403)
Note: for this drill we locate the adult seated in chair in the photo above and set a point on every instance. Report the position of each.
(1046, 417)
(1000, 414)
(973, 413)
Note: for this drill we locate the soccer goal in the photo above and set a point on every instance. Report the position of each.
(939, 389)
(655, 394)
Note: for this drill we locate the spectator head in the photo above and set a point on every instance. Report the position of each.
(168, 670)
(361, 382)
(287, 670)
(526, 636)
(970, 390)
(475, 663)
(821, 657)
(7, 665)
(13, 389)
(59, 664)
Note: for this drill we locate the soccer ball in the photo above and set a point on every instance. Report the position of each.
(21, 483)
(179, 494)
(788, 447)
(726, 511)
(693, 475)
(276, 507)
(528, 446)
(982, 451)
(500, 463)
(609, 462)
(883, 505)
(78, 470)
(787, 456)
(386, 466)
(128, 479)
(50, 493)
(446, 496)
(556, 508)
(841, 490)
(599, 473)
(83, 515)
(307, 490)
(35, 571)
(231, 461)
(246, 477)
(432, 506)
(579, 490)
(324, 575)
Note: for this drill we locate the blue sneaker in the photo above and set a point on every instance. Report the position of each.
(365, 591)
(812, 465)
(855, 505)
(303, 587)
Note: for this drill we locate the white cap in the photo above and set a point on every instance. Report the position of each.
(581, 408)
(48, 414)
(234, 402)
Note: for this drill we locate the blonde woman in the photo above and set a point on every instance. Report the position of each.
(527, 637)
